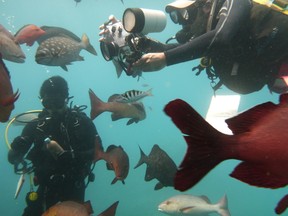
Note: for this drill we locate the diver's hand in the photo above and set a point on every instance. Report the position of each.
(150, 62)
(105, 34)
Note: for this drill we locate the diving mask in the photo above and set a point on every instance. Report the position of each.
(54, 102)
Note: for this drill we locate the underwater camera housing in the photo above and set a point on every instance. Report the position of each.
(125, 42)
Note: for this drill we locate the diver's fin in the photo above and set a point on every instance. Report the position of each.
(19, 185)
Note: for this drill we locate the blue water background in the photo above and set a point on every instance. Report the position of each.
(136, 197)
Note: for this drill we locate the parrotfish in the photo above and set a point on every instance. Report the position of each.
(28, 34)
(186, 204)
(259, 141)
(7, 97)
(134, 111)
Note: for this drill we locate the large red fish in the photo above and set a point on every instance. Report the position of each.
(7, 98)
(259, 141)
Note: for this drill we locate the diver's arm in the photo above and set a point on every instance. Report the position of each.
(238, 11)
(21, 144)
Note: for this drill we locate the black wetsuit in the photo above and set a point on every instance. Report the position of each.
(247, 44)
(63, 178)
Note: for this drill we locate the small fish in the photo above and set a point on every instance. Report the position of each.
(118, 161)
(159, 166)
(133, 96)
(61, 51)
(28, 34)
(69, 208)
(259, 141)
(184, 204)
(7, 97)
(9, 49)
(52, 31)
(134, 111)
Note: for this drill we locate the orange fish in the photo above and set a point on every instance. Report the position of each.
(116, 159)
(28, 34)
(69, 208)
(7, 98)
(259, 141)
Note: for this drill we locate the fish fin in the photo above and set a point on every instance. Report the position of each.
(186, 209)
(80, 58)
(109, 166)
(114, 98)
(139, 106)
(118, 68)
(30, 43)
(87, 45)
(205, 198)
(114, 181)
(99, 151)
(123, 182)
(115, 117)
(143, 158)
(282, 205)
(131, 121)
(110, 148)
(64, 67)
(96, 105)
(203, 153)
(257, 176)
(158, 186)
(223, 206)
(88, 206)
(110, 211)
(149, 92)
(245, 121)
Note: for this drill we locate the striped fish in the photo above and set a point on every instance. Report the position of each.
(133, 96)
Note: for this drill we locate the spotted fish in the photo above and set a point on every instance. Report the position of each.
(62, 51)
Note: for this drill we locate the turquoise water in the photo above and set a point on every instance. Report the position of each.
(136, 197)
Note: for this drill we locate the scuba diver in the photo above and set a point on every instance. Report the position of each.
(244, 43)
(61, 146)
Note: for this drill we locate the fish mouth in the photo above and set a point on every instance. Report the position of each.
(17, 59)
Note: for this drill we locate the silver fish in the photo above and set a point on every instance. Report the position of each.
(62, 50)
(185, 204)
(9, 49)
(133, 96)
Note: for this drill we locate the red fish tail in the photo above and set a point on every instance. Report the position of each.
(282, 205)
(96, 105)
(203, 152)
